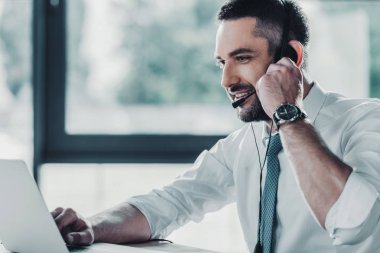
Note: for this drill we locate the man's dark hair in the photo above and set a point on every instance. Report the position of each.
(270, 16)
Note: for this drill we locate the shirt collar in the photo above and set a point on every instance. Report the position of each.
(314, 101)
(312, 104)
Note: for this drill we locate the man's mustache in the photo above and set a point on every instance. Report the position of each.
(241, 86)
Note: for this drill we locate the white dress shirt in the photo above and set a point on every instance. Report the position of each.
(230, 172)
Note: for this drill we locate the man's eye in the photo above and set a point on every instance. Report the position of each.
(243, 58)
(220, 64)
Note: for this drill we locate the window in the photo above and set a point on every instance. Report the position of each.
(16, 113)
(144, 67)
(123, 82)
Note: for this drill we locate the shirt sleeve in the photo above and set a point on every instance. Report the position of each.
(207, 187)
(356, 214)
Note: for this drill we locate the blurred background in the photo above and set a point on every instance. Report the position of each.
(79, 78)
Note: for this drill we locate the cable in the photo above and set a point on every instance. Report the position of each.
(159, 240)
(259, 239)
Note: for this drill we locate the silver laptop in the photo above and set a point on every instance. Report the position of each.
(26, 225)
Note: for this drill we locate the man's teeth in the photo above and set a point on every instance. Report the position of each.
(242, 95)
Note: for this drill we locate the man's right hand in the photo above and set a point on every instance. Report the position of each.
(74, 229)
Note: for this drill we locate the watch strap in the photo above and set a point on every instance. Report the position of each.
(279, 121)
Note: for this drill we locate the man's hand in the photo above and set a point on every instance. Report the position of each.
(282, 83)
(121, 224)
(74, 229)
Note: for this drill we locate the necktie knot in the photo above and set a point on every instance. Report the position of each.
(275, 145)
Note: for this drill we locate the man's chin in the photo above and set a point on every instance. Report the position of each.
(252, 113)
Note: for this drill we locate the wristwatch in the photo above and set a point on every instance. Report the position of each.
(286, 113)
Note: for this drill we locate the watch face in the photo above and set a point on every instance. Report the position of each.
(287, 112)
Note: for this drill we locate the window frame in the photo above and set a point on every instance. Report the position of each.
(51, 142)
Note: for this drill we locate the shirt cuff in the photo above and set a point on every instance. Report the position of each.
(144, 210)
(346, 218)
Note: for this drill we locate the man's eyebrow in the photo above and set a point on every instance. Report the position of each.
(238, 51)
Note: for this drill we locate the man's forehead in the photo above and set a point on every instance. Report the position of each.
(237, 33)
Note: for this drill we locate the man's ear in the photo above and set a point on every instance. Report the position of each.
(297, 46)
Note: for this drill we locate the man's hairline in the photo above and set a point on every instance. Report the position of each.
(258, 31)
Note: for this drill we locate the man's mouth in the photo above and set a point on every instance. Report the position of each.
(241, 98)
(243, 95)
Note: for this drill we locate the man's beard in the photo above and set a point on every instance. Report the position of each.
(254, 112)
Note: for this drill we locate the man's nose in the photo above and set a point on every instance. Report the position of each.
(229, 76)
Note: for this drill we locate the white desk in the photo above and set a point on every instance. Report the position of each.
(170, 247)
(154, 246)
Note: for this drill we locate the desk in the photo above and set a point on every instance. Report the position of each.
(170, 247)
(156, 246)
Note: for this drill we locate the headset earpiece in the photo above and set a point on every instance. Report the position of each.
(286, 51)
(291, 53)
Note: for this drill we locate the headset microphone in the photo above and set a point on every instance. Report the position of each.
(241, 101)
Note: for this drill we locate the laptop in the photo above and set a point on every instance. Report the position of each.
(26, 225)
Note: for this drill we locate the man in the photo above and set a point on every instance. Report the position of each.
(317, 193)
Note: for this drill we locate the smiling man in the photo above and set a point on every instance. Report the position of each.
(244, 58)
(304, 171)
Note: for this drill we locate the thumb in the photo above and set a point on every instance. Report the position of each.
(80, 238)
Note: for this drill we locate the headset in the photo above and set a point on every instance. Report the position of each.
(284, 50)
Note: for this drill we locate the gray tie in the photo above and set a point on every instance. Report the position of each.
(269, 199)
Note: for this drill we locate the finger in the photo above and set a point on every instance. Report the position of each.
(67, 218)
(286, 61)
(56, 212)
(265, 80)
(82, 238)
(281, 66)
(80, 224)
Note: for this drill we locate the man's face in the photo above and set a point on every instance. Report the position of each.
(244, 58)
